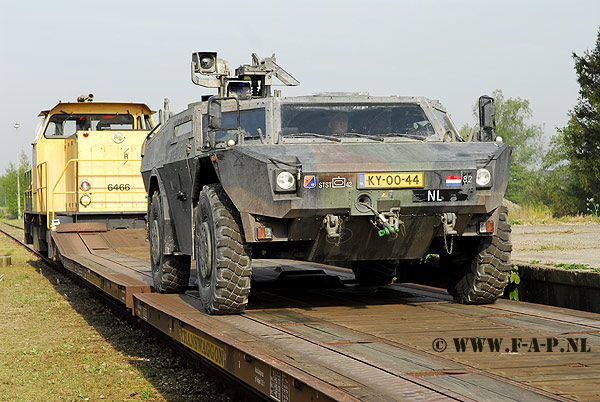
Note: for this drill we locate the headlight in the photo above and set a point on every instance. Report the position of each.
(286, 181)
(85, 200)
(85, 185)
(483, 177)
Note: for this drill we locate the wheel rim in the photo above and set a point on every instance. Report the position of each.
(205, 251)
(155, 241)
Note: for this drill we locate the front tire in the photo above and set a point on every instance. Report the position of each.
(481, 278)
(170, 273)
(223, 261)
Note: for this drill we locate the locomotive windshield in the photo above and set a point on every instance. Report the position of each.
(368, 119)
(64, 125)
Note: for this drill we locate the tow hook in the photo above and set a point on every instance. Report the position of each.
(448, 222)
(333, 226)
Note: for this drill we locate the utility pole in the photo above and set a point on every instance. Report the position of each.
(16, 126)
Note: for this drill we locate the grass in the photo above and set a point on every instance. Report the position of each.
(16, 222)
(59, 343)
(576, 266)
(568, 231)
(536, 215)
(552, 247)
(545, 247)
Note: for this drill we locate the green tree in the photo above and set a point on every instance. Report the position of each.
(8, 184)
(576, 150)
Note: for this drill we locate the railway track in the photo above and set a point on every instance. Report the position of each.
(219, 382)
(309, 333)
(15, 233)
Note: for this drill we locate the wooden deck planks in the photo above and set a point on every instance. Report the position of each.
(366, 341)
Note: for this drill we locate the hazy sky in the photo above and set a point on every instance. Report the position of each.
(140, 51)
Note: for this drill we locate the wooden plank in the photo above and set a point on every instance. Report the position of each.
(485, 389)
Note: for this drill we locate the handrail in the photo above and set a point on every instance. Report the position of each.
(28, 176)
(36, 191)
(50, 222)
(43, 168)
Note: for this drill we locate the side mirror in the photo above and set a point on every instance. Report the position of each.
(487, 112)
(215, 120)
(487, 118)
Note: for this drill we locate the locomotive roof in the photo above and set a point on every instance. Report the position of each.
(97, 107)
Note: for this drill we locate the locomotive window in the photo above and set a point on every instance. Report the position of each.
(149, 125)
(115, 122)
(65, 125)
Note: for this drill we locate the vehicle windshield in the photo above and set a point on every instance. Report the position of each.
(367, 119)
(64, 125)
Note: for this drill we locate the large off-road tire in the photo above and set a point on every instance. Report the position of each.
(223, 260)
(170, 273)
(374, 273)
(481, 278)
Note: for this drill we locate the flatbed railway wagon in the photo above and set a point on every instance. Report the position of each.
(86, 168)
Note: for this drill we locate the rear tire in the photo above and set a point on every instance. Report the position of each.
(223, 261)
(170, 273)
(481, 278)
(375, 273)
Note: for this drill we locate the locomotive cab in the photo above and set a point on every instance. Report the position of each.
(86, 168)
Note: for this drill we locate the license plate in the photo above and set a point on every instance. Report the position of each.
(390, 180)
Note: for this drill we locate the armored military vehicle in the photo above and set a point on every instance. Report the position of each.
(371, 181)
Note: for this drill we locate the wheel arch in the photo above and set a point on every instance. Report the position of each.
(169, 243)
(205, 174)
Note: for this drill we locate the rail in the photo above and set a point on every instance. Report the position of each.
(51, 213)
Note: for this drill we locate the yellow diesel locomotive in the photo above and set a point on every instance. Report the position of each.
(86, 168)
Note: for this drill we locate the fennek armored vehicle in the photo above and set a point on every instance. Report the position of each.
(375, 182)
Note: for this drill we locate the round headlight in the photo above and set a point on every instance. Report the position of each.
(483, 177)
(286, 180)
(85, 200)
(85, 185)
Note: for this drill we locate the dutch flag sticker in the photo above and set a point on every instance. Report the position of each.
(453, 181)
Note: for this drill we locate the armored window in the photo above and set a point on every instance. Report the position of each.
(184, 128)
(370, 119)
(444, 120)
(250, 121)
